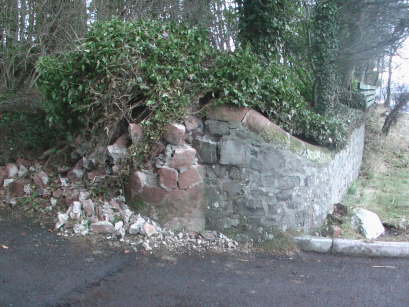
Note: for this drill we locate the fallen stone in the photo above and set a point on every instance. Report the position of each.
(84, 195)
(118, 152)
(62, 219)
(175, 134)
(41, 179)
(81, 228)
(12, 170)
(209, 235)
(150, 230)
(102, 227)
(136, 226)
(7, 182)
(75, 212)
(89, 207)
(17, 188)
(126, 214)
(53, 201)
(95, 175)
(77, 172)
(115, 204)
(88, 164)
(367, 223)
(22, 171)
(119, 229)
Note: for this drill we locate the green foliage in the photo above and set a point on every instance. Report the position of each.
(269, 26)
(121, 66)
(153, 72)
(325, 51)
(23, 133)
(242, 79)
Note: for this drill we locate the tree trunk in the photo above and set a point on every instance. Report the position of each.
(389, 84)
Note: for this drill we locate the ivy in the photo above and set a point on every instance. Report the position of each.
(154, 72)
(325, 51)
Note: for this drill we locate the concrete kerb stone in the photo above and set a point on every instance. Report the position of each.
(314, 244)
(353, 247)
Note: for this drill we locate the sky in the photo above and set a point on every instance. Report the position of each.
(401, 65)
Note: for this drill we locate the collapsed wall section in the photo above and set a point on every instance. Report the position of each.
(244, 175)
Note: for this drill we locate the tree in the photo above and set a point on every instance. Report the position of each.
(401, 98)
(368, 30)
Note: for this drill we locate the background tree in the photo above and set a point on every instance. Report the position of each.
(401, 100)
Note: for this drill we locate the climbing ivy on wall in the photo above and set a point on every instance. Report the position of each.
(325, 51)
(268, 26)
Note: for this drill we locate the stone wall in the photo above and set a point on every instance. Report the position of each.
(244, 175)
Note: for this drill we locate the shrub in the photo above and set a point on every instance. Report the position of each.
(152, 72)
(153, 66)
(242, 79)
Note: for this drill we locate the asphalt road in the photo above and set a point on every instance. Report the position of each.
(40, 269)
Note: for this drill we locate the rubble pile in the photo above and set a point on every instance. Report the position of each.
(116, 221)
(26, 183)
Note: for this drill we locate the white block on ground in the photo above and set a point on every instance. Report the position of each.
(367, 223)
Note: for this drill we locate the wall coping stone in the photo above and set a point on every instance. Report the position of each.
(270, 132)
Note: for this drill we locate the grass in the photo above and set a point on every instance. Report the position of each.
(383, 186)
(282, 244)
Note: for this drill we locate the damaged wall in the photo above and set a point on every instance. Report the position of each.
(237, 172)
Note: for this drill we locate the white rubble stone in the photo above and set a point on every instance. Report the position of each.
(81, 228)
(12, 170)
(126, 214)
(84, 195)
(136, 227)
(149, 229)
(7, 182)
(75, 213)
(22, 171)
(146, 246)
(117, 152)
(119, 229)
(64, 182)
(27, 189)
(53, 201)
(62, 219)
(89, 207)
(367, 223)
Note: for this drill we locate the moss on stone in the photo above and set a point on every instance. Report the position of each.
(297, 146)
(270, 135)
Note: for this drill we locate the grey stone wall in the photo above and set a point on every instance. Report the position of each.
(254, 187)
